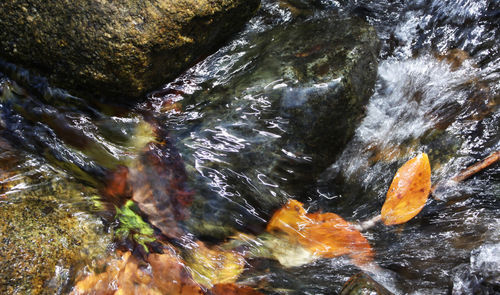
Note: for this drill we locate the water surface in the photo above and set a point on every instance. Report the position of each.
(436, 91)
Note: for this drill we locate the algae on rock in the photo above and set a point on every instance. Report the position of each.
(46, 238)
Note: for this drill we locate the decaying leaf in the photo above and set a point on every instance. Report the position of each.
(408, 192)
(171, 276)
(214, 266)
(323, 234)
(158, 182)
(160, 274)
(117, 184)
(144, 134)
(279, 247)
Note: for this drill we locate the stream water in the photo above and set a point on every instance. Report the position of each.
(230, 122)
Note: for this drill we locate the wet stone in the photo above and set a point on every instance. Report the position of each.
(362, 284)
(482, 275)
(270, 127)
(308, 4)
(119, 49)
(45, 240)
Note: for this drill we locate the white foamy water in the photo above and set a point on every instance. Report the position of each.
(412, 97)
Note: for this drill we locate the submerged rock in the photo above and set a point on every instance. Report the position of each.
(284, 107)
(362, 284)
(45, 238)
(482, 275)
(116, 48)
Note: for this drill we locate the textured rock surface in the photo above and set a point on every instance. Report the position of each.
(46, 232)
(282, 109)
(45, 240)
(115, 48)
(362, 284)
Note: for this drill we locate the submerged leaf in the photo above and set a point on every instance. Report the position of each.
(408, 192)
(131, 222)
(279, 247)
(144, 134)
(214, 266)
(158, 182)
(171, 276)
(330, 236)
(289, 219)
(160, 274)
(323, 234)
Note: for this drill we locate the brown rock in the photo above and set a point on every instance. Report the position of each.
(120, 49)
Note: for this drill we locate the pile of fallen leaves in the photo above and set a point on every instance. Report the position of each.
(166, 273)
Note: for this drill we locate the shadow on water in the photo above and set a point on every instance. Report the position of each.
(247, 128)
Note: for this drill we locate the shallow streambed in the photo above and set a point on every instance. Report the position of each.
(246, 129)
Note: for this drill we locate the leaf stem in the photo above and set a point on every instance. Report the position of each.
(367, 224)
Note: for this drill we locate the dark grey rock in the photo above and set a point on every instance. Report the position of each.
(285, 106)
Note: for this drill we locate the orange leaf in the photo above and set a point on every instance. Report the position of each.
(289, 218)
(324, 234)
(408, 192)
(330, 236)
(160, 274)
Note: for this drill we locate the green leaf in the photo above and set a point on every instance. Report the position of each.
(132, 223)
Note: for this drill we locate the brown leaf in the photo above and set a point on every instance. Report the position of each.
(161, 274)
(171, 276)
(117, 184)
(158, 182)
(408, 192)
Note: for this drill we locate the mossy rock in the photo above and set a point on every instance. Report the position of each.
(45, 239)
(120, 49)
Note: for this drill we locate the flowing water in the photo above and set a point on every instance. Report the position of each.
(237, 151)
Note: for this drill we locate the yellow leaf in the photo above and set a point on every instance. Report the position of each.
(214, 266)
(408, 192)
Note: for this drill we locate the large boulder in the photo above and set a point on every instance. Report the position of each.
(278, 111)
(117, 48)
